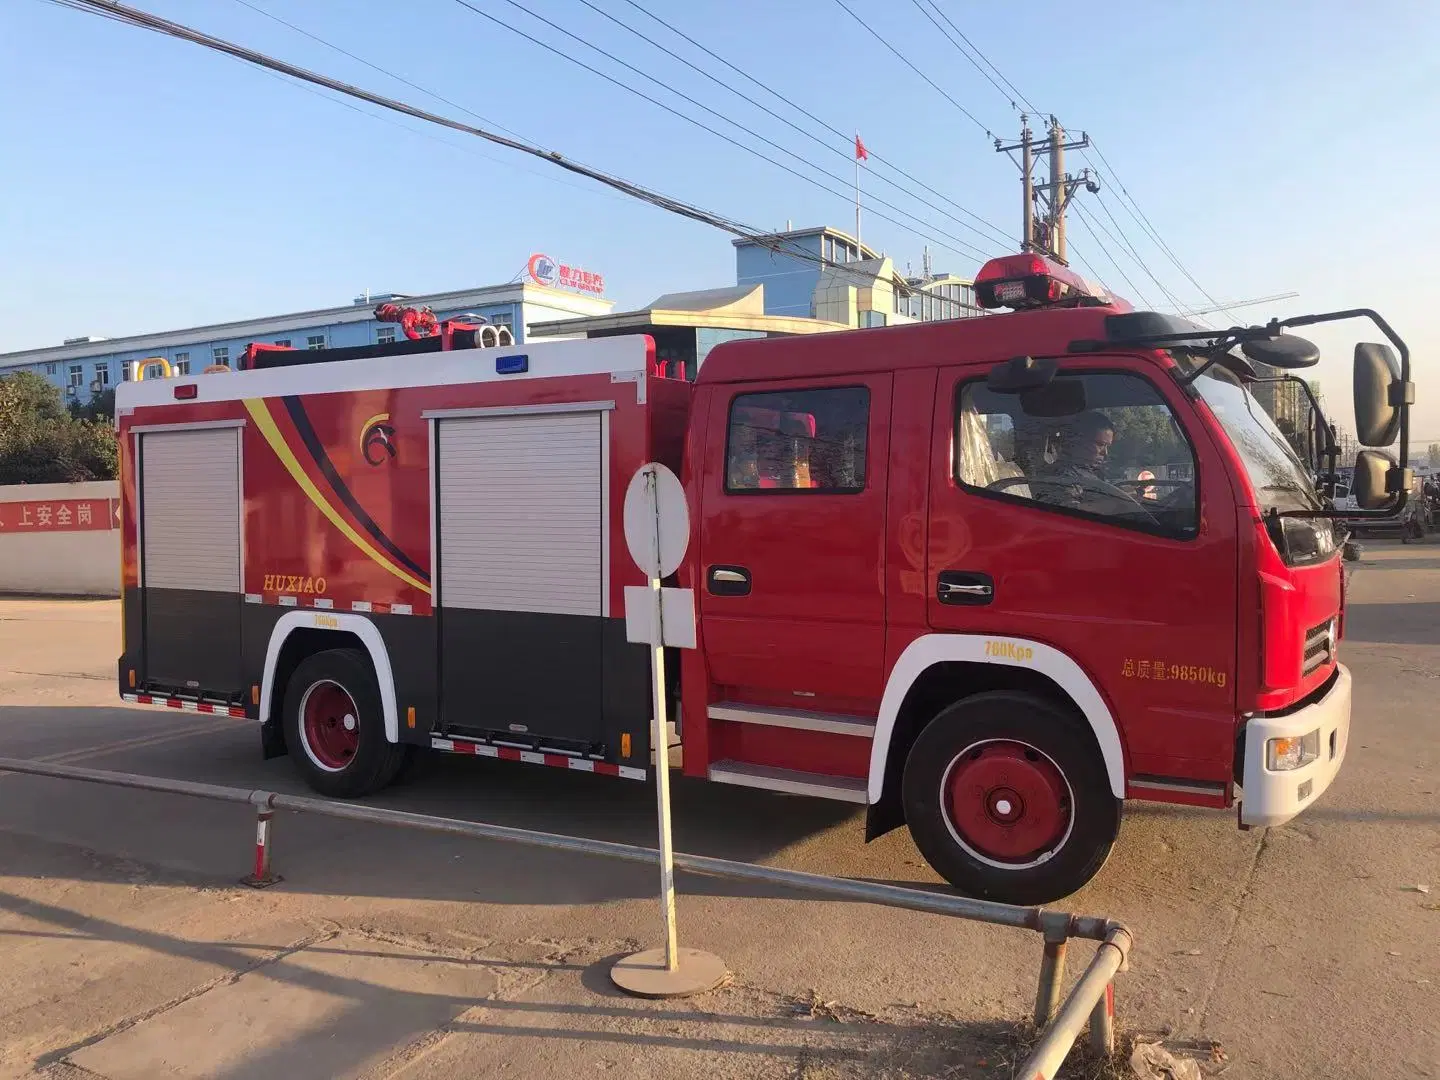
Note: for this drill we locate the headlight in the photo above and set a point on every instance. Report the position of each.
(1293, 752)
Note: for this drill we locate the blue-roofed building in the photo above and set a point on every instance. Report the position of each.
(823, 273)
(83, 366)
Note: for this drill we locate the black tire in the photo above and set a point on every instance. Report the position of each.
(1003, 738)
(373, 761)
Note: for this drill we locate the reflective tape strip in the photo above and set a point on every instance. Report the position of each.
(553, 758)
(205, 707)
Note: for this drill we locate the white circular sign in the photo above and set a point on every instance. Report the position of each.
(657, 521)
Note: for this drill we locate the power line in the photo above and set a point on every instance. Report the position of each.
(846, 154)
(996, 231)
(134, 17)
(784, 120)
(1145, 224)
(1014, 89)
(1135, 289)
(973, 62)
(959, 244)
(423, 133)
(904, 60)
(1124, 242)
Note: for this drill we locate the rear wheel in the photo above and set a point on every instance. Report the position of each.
(335, 725)
(1007, 798)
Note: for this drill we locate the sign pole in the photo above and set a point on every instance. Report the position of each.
(657, 531)
(660, 742)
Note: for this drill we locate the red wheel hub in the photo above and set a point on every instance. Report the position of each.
(1007, 801)
(331, 725)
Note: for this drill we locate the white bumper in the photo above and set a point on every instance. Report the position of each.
(1274, 797)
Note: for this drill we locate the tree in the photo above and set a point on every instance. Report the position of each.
(42, 443)
(101, 406)
(1433, 453)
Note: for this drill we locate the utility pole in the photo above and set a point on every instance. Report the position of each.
(1056, 195)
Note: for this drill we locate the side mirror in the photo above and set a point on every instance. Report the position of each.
(1020, 373)
(1376, 479)
(1378, 394)
(1282, 351)
(1061, 397)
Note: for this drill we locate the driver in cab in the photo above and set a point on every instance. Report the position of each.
(1076, 478)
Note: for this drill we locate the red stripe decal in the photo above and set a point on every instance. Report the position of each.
(604, 768)
(172, 703)
(559, 761)
(464, 747)
(509, 753)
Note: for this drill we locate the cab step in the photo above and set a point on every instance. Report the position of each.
(792, 782)
(798, 719)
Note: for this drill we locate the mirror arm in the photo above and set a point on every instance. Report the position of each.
(1407, 389)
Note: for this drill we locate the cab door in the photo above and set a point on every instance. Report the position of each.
(792, 542)
(1131, 575)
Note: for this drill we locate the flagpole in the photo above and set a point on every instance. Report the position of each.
(857, 193)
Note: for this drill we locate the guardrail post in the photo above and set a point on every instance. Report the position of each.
(1102, 1024)
(263, 877)
(1056, 927)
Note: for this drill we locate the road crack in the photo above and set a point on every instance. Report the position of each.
(1244, 895)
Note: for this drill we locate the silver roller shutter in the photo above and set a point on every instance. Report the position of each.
(521, 513)
(190, 506)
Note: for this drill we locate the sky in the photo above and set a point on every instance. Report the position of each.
(149, 184)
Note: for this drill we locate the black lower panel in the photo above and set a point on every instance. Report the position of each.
(530, 673)
(192, 641)
(570, 679)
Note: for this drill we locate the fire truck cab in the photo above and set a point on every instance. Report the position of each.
(987, 578)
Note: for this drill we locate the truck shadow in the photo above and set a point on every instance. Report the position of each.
(1412, 622)
(318, 854)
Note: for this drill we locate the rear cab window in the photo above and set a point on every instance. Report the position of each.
(798, 441)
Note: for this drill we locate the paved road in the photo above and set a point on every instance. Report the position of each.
(1304, 950)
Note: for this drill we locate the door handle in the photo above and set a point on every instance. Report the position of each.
(964, 587)
(729, 581)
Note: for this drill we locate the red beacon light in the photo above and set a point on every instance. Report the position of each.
(1033, 281)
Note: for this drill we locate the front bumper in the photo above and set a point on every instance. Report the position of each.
(1274, 797)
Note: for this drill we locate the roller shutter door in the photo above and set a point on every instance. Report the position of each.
(520, 514)
(190, 509)
(522, 574)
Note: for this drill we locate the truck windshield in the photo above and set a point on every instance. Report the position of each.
(1280, 479)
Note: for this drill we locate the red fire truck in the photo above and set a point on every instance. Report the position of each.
(929, 576)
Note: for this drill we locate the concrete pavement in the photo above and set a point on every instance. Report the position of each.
(1303, 950)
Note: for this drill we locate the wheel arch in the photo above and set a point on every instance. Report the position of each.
(936, 670)
(300, 634)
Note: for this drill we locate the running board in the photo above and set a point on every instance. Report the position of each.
(798, 719)
(843, 788)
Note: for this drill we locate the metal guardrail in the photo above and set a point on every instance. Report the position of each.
(1092, 1000)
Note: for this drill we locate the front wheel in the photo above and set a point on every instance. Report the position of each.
(1007, 797)
(335, 725)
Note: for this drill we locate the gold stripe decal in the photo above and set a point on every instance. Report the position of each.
(265, 423)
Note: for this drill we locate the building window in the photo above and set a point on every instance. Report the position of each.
(76, 376)
(1128, 465)
(872, 318)
(505, 319)
(125, 372)
(49, 369)
(220, 355)
(283, 342)
(798, 440)
(384, 335)
(315, 341)
(182, 364)
(102, 375)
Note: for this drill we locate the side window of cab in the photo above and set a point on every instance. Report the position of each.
(811, 441)
(1102, 445)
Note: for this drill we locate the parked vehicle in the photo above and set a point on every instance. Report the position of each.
(920, 587)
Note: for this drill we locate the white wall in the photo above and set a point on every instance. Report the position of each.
(35, 559)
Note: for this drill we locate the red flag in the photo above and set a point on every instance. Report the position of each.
(861, 154)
